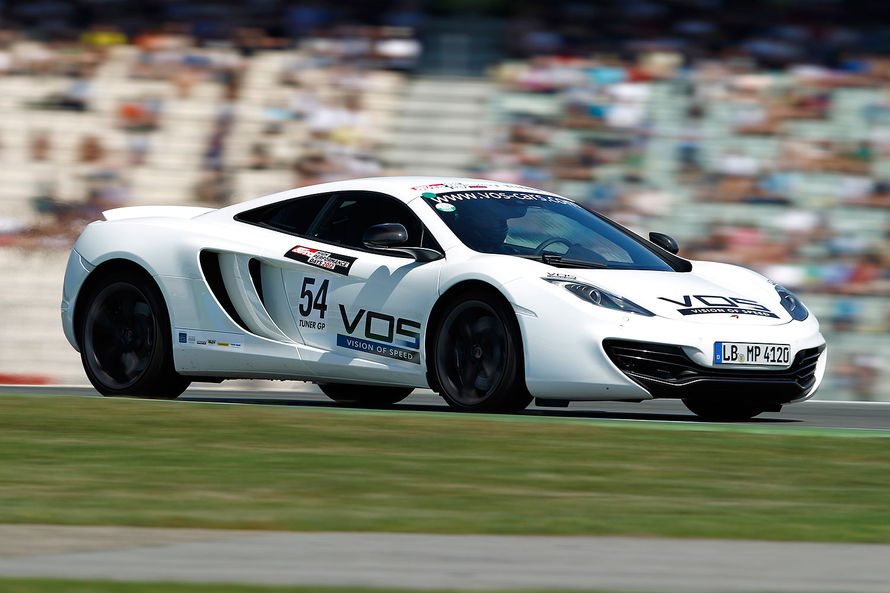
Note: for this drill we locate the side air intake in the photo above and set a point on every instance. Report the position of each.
(213, 275)
(237, 283)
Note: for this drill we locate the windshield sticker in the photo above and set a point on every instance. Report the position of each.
(507, 196)
(446, 207)
(325, 260)
(719, 304)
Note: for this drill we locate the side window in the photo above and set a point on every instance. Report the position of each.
(294, 216)
(352, 213)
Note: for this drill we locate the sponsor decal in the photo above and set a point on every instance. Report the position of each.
(378, 348)
(451, 185)
(507, 196)
(202, 339)
(380, 334)
(561, 276)
(446, 207)
(428, 187)
(313, 301)
(704, 304)
(322, 259)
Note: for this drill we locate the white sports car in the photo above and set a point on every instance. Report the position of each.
(489, 293)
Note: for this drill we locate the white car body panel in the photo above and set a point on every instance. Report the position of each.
(385, 300)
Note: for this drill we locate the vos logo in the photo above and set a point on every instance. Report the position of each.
(380, 334)
(710, 304)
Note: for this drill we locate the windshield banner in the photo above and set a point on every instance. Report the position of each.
(459, 196)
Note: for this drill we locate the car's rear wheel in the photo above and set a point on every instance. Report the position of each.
(732, 411)
(376, 396)
(478, 356)
(126, 345)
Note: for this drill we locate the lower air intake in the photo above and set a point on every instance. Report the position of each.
(665, 371)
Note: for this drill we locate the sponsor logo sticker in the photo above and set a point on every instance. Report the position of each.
(507, 196)
(446, 207)
(452, 185)
(378, 348)
(382, 335)
(325, 260)
(714, 304)
(206, 339)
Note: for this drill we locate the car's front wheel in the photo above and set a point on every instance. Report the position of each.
(478, 355)
(732, 411)
(375, 396)
(126, 345)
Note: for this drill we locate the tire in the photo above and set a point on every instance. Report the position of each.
(732, 411)
(478, 355)
(374, 396)
(126, 344)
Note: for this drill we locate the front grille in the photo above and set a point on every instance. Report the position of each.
(665, 371)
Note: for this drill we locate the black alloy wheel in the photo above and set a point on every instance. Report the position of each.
(478, 356)
(126, 340)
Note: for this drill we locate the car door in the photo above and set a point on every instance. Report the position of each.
(361, 312)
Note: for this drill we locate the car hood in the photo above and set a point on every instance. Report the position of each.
(710, 293)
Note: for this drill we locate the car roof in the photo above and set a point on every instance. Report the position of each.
(405, 188)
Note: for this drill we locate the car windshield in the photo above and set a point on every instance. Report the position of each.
(551, 229)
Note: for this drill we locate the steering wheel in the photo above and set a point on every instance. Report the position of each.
(540, 248)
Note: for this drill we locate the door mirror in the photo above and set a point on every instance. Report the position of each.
(666, 242)
(389, 234)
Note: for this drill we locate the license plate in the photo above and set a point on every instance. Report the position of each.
(752, 353)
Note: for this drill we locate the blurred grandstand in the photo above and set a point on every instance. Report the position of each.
(767, 146)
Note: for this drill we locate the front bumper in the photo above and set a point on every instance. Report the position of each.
(567, 357)
(666, 371)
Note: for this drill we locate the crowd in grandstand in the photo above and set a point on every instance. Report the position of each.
(763, 146)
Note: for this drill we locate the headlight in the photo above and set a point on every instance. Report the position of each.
(792, 304)
(600, 297)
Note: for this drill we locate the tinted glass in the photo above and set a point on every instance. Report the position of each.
(352, 213)
(537, 226)
(294, 217)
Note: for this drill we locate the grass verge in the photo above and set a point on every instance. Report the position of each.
(93, 461)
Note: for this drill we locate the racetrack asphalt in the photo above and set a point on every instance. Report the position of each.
(810, 414)
(442, 561)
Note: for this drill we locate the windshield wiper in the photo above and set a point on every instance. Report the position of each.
(559, 261)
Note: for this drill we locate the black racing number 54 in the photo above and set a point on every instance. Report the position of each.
(313, 299)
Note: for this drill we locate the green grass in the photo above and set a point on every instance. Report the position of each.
(71, 586)
(150, 463)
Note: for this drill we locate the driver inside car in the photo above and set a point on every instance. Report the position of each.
(485, 229)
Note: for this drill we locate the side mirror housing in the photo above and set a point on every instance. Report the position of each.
(388, 234)
(666, 242)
